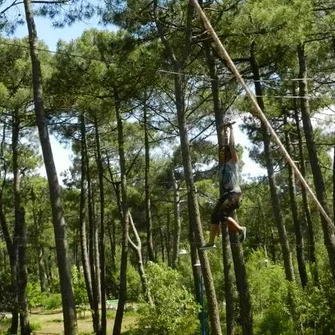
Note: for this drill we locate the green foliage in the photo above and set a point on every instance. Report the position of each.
(46, 300)
(79, 287)
(6, 296)
(133, 283)
(35, 326)
(269, 292)
(275, 322)
(34, 295)
(282, 307)
(174, 311)
(53, 301)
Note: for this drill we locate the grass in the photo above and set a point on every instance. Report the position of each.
(52, 323)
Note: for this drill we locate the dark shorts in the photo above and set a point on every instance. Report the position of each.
(225, 207)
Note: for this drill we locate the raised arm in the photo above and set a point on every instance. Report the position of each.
(232, 147)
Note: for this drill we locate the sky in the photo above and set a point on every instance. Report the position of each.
(51, 36)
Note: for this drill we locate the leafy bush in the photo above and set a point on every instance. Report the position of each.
(270, 292)
(35, 326)
(133, 283)
(79, 287)
(53, 301)
(174, 311)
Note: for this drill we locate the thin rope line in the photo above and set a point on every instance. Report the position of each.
(204, 75)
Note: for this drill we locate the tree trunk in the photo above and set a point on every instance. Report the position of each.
(295, 218)
(41, 269)
(22, 275)
(92, 251)
(240, 270)
(39, 246)
(228, 280)
(82, 214)
(176, 220)
(138, 250)
(161, 235)
(103, 322)
(167, 237)
(150, 247)
(69, 312)
(306, 212)
(287, 257)
(20, 233)
(193, 208)
(328, 228)
(124, 221)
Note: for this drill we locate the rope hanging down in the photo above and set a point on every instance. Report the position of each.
(222, 51)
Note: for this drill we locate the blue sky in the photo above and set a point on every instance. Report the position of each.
(51, 36)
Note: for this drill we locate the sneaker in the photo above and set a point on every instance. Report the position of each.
(243, 234)
(208, 246)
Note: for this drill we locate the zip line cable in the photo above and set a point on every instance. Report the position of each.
(204, 76)
(222, 51)
(159, 70)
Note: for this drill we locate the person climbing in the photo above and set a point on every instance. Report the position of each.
(230, 192)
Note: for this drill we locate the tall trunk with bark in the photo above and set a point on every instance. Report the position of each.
(194, 214)
(39, 247)
(20, 233)
(226, 248)
(11, 245)
(22, 275)
(306, 208)
(295, 218)
(92, 250)
(176, 220)
(124, 219)
(328, 228)
(287, 257)
(102, 267)
(167, 238)
(69, 311)
(82, 213)
(193, 207)
(150, 247)
(138, 251)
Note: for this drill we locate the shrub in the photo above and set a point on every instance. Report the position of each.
(53, 301)
(174, 311)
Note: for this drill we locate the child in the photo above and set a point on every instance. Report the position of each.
(230, 191)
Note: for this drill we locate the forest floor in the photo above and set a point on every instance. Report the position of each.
(51, 323)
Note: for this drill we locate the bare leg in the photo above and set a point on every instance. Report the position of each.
(233, 225)
(214, 231)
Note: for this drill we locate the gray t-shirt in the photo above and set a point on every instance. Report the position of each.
(229, 177)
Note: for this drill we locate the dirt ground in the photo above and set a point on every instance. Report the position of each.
(52, 323)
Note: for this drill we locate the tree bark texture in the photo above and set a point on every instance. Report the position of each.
(328, 229)
(69, 312)
(294, 209)
(176, 220)
(101, 237)
(82, 213)
(150, 247)
(92, 250)
(20, 233)
(124, 220)
(306, 209)
(287, 256)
